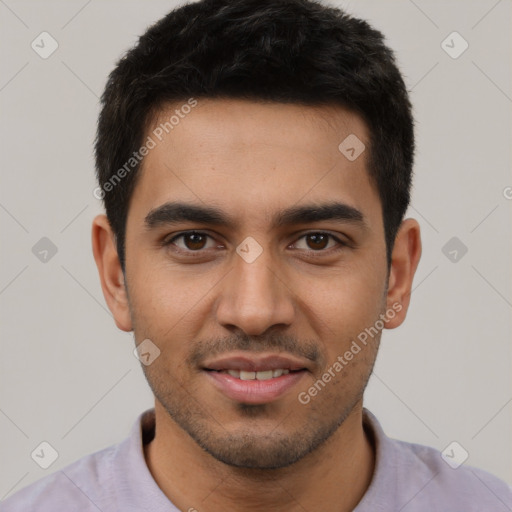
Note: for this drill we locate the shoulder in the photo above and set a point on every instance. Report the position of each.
(80, 486)
(115, 478)
(414, 478)
(445, 480)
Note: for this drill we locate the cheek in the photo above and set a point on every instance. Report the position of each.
(166, 297)
(346, 309)
(169, 309)
(346, 302)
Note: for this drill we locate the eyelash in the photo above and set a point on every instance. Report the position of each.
(200, 252)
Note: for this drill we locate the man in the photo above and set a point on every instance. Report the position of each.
(255, 161)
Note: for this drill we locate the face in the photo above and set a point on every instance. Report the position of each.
(255, 258)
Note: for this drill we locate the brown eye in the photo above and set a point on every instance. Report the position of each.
(317, 241)
(194, 241)
(191, 241)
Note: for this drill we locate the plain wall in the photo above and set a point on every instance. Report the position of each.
(68, 375)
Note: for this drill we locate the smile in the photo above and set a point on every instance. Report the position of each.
(255, 378)
(261, 375)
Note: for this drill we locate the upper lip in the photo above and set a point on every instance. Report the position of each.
(256, 363)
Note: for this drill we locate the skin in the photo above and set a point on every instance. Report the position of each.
(253, 160)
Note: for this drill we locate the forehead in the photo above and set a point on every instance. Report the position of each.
(254, 157)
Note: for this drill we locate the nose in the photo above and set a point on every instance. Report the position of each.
(254, 297)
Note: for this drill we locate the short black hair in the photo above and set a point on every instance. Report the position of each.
(288, 51)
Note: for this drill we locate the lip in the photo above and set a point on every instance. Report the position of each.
(256, 363)
(254, 391)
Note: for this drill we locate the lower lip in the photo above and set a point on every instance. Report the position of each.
(254, 391)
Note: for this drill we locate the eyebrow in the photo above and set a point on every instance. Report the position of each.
(176, 212)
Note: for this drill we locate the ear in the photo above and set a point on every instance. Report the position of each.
(404, 261)
(110, 271)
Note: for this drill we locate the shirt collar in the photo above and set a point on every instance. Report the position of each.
(136, 488)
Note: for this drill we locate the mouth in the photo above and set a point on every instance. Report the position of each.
(261, 375)
(255, 379)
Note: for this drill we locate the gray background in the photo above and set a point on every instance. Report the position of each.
(68, 375)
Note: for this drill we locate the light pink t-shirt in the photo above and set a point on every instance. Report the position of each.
(407, 478)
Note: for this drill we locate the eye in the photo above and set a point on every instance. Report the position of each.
(191, 241)
(318, 241)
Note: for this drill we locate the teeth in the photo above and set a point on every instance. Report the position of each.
(263, 375)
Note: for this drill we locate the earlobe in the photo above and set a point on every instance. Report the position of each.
(111, 275)
(404, 262)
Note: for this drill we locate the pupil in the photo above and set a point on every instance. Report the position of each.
(318, 240)
(194, 241)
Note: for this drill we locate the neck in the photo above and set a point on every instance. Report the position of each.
(332, 478)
